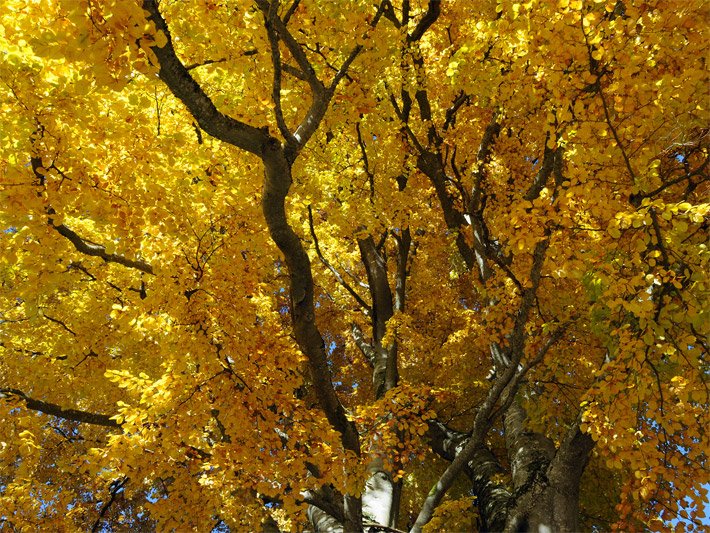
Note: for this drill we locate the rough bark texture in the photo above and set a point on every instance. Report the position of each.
(549, 499)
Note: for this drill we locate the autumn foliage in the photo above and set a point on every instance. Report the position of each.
(402, 265)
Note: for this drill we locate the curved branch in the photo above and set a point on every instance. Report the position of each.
(75, 415)
(277, 182)
(492, 499)
(82, 245)
(176, 76)
(97, 250)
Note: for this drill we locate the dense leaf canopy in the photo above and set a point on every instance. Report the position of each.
(256, 254)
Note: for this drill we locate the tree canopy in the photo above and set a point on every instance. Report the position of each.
(397, 265)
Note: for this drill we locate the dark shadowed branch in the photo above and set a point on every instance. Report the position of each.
(178, 79)
(82, 245)
(115, 489)
(53, 409)
(98, 250)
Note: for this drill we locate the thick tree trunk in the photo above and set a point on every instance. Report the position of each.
(550, 498)
(545, 495)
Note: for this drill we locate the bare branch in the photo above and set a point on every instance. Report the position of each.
(389, 14)
(492, 497)
(459, 101)
(403, 115)
(382, 305)
(509, 396)
(325, 502)
(431, 164)
(481, 242)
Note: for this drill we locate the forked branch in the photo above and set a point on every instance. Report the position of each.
(501, 385)
(178, 79)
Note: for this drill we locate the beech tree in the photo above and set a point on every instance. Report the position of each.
(353, 265)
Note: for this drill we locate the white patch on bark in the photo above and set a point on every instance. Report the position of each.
(378, 494)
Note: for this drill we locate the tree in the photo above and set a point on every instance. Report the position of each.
(387, 265)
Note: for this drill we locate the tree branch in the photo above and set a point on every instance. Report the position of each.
(485, 414)
(330, 267)
(477, 202)
(543, 174)
(82, 245)
(52, 409)
(432, 166)
(97, 250)
(296, 50)
(404, 242)
(365, 161)
(432, 13)
(277, 182)
(291, 10)
(269, 18)
(450, 120)
(492, 499)
(382, 306)
(293, 71)
(321, 94)
(186, 89)
(385, 373)
(365, 347)
(115, 488)
(207, 62)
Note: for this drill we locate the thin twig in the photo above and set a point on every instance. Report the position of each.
(330, 267)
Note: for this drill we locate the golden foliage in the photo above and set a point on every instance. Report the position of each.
(179, 330)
